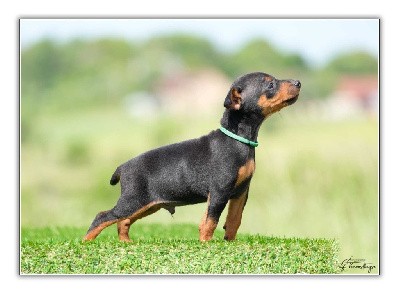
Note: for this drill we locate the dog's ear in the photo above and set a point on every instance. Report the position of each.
(233, 100)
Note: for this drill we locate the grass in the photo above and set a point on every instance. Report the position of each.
(159, 249)
(314, 178)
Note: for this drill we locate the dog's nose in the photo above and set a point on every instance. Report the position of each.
(297, 83)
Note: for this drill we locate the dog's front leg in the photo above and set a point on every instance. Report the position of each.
(234, 217)
(209, 222)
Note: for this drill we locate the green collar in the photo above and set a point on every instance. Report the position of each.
(238, 138)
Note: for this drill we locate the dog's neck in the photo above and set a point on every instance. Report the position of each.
(241, 124)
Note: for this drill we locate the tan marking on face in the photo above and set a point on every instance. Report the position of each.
(234, 217)
(268, 78)
(271, 105)
(245, 172)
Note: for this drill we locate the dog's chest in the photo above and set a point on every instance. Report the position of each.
(245, 172)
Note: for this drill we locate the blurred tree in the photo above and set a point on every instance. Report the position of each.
(78, 73)
(295, 61)
(193, 51)
(259, 55)
(41, 65)
(318, 84)
(358, 62)
(89, 57)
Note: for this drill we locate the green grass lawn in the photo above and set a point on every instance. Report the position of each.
(315, 178)
(160, 249)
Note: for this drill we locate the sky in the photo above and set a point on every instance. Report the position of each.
(317, 40)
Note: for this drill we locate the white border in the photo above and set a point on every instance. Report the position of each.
(390, 148)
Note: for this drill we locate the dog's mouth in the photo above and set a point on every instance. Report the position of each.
(292, 100)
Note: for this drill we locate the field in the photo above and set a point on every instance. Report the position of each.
(316, 185)
(159, 249)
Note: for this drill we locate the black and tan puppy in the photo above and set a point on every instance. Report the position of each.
(215, 168)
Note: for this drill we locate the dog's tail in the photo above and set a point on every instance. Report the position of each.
(115, 177)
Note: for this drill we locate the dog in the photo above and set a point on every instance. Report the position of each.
(216, 168)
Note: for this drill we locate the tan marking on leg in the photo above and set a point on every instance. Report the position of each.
(203, 221)
(123, 230)
(207, 229)
(207, 225)
(204, 218)
(142, 212)
(96, 231)
(125, 224)
(145, 211)
(234, 217)
(245, 172)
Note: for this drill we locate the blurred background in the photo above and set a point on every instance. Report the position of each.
(95, 93)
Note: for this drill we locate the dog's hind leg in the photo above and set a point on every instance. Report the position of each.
(101, 221)
(123, 227)
(119, 213)
(125, 224)
(127, 210)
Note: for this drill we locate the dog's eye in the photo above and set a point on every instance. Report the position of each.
(270, 85)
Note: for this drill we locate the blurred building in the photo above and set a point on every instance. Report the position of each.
(192, 92)
(355, 95)
(182, 93)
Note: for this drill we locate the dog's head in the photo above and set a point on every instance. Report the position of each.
(261, 93)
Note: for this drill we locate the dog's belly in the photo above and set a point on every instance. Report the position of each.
(182, 200)
(170, 205)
